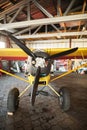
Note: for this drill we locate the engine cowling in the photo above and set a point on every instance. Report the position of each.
(40, 61)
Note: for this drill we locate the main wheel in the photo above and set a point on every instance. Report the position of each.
(64, 99)
(13, 100)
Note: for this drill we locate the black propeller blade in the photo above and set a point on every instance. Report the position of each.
(35, 85)
(57, 55)
(22, 46)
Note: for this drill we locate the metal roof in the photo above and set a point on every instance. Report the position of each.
(30, 17)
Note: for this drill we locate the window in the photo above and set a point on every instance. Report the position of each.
(2, 44)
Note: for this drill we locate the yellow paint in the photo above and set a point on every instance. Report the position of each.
(3, 71)
(12, 52)
(42, 79)
(46, 79)
(54, 90)
(64, 74)
(17, 52)
(79, 52)
(24, 90)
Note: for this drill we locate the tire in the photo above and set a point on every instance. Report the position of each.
(13, 100)
(64, 99)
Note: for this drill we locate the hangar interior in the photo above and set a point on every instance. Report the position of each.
(39, 25)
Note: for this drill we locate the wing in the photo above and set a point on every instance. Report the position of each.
(12, 54)
(19, 54)
(81, 53)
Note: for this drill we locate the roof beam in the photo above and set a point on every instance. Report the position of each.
(42, 9)
(83, 10)
(45, 12)
(44, 21)
(69, 7)
(12, 8)
(15, 15)
(47, 35)
(25, 30)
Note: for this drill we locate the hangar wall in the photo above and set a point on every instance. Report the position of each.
(63, 43)
(58, 43)
(48, 45)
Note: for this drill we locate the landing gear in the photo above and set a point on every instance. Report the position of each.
(64, 99)
(13, 100)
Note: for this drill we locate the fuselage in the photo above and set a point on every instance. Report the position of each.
(45, 68)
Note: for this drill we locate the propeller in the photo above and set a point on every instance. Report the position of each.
(22, 46)
(35, 85)
(30, 53)
(57, 55)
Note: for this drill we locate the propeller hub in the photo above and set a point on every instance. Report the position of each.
(40, 62)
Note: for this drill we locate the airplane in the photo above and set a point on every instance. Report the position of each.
(40, 67)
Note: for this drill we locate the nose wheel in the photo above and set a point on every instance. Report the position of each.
(64, 99)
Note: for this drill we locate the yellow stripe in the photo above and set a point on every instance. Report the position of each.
(3, 71)
(24, 90)
(68, 72)
(12, 52)
(17, 52)
(54, 90)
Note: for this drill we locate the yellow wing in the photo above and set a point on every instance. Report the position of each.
(81, 53)
(19, 54)
(12, 54)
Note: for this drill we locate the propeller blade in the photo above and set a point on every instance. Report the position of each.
(57, 55)
(22, 46)
(35, 85)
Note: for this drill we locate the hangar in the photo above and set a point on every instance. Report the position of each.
(51, 36)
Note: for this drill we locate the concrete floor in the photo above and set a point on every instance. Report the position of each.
(46, 114)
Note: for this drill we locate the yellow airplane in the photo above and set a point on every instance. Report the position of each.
(40, 65)
(19, 54)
